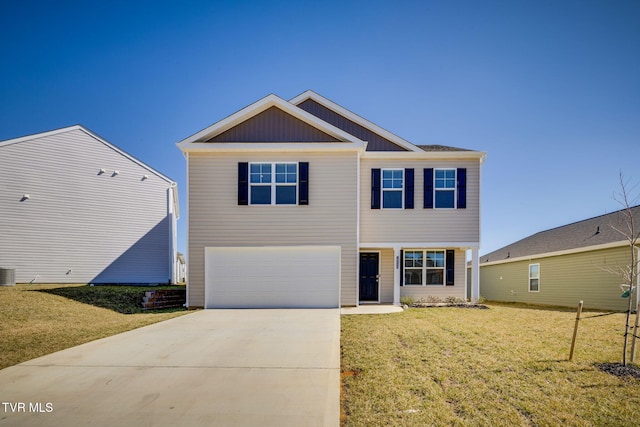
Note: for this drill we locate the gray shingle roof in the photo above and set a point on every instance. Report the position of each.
(581, 234)
(441, 148)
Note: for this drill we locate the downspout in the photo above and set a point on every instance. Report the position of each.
(186, 252)
(171, 214)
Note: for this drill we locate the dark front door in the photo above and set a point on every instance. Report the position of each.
(369, 273)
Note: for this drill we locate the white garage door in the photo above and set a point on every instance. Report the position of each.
(272, 277)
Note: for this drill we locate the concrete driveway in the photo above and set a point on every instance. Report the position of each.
(209, 368)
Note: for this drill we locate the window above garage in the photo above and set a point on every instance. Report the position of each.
(273, 183)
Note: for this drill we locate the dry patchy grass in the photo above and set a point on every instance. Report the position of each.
(36, 319)
(500, 367)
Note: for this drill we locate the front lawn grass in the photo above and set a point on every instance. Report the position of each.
(506, 366)
(40, 319)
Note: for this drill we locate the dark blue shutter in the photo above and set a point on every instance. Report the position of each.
(375, 188)
(303, 183)
(462, 188)
(428, 188)
(408, 188)
(401, 267)
(243, 183)
(450, 267)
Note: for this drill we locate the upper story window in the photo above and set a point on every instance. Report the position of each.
(392, 188)
(273, 183)
(534, 277)
(445, 188)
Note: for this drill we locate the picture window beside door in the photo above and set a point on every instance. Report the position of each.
(428, 267)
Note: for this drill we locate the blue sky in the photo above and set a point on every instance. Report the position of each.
(549, 89)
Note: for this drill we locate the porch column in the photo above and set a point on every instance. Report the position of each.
(396, 275)
(475, 274)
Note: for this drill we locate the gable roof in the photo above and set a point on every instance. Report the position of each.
(81, 128)
(310, 122)
(589, 234)
(353, 123)
(210, 133)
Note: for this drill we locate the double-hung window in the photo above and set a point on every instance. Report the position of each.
(425, 267)
(435, 268)
(392, 188)
(413, 267)
(273, 183)
(445, 188)
(534, 277)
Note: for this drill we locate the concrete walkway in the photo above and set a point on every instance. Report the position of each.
(372, 309)
(207, 368)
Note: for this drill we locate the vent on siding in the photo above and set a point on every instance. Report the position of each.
(7, 277)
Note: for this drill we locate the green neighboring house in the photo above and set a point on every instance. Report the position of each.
(563, 265)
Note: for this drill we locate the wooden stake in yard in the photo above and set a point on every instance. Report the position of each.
(575, 330)
(635, 333)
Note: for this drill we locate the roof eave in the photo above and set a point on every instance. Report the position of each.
(223, 147)
(428, 155)
(556, 253)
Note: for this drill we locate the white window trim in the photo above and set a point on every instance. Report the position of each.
(455, 187)
(273, 184)
(530, 277)
(382, 189)
(424, 266)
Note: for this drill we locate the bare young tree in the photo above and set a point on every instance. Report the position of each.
(626, 226)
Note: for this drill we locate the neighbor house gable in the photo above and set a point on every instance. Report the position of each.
(378, 138)
(175, 206)
(92, 135)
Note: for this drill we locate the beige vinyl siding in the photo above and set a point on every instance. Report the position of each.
(215, 219)
(80, 226)
(386, 275)
(564, 280)
(419, 224)
(457, 290)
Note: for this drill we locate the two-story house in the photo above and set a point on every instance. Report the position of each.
(302, 203)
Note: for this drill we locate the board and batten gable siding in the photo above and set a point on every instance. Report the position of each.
(273, 125)
(216, 219)
(79, 225)
(419, 224)
(375, 141)
(564, 280)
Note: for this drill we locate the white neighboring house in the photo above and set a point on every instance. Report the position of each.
(76, 209)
